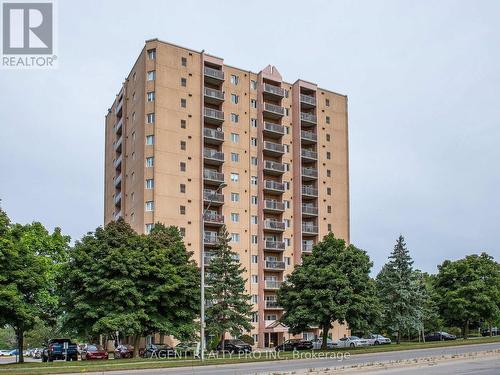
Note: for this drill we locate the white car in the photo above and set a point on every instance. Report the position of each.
(4, 352)
(319, 341)
(351, 342)
(374, 339)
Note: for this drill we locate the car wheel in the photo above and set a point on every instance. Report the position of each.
(44, 359)
(376, 343)
(352, 345)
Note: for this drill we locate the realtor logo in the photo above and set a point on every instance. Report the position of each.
(28, 34)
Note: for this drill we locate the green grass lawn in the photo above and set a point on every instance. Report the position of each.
(60, 367)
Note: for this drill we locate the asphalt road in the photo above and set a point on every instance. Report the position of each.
(478, 366)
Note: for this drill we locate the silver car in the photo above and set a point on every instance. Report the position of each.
(351, 342)
(319, 341)
(375, 339)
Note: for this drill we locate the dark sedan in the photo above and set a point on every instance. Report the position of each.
(92, 351)
(124, 351)
(159, 351)
(234, 346)
(294, 344)
(439, 336)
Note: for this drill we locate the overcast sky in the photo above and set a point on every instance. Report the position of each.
(422, 77)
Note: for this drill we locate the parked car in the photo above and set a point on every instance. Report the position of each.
(56, 350)
(36, 353)
(351, 342)
(234, 346)
(294, 344)
(124, 351)
(439, 336)
(495, 331)
(158, 351)
(375, 339)
(330, 344)
(14, 352)
(93, 351)
(4, 352)
(187, 348)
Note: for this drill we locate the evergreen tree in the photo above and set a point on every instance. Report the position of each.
(228, 308)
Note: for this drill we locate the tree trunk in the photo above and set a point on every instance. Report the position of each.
(326, 329)
(137, 340)
(398, 338)
(20, 343)
(222, 340)
(423, 335)
(466, 329)
(491, 329)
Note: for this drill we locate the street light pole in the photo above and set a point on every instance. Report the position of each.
(202, 270)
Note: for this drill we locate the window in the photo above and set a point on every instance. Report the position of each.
(235, 157)
(182, 210)
(254, 239)
(150, 118)
(288, 241)
(253, 122)
(287, 166)
(329, 209)
(235, 237)
(253, 141)
(182, 166)
(254, 219)
(253, 103)
(286, 111)
(133, 97)
(150, 183)
(329, 191)
(255, 337)
(255, 319)
(150, 206)
(287, 130)
(287, 185)
(234, 98)
(182, 188)
(328, 155)
(328, 137)
(235, 218)
(134, 76)
(253, 84)
(151, 96)
(287, 204)
(287, 148)
(133, 116)
(183, 231)
(254, 199)
(287, 223)
(327, 119)
(235, 117)
(327, 102)
(151, 54)
(235, 197)
(183, 82)
(184, 61)
(132, 197)
(255, 298)
(271, 317)
(328, 173)
(132, 217)
(287, 261)
(329, 227)
(253, 180)
(183, 103)
(235, 138)
(235, 177)
(253, 160)
(151, 75)
(255, 280)
(183, 145)
(150, 139)
(183, 124)
(133, 136)
(148, 228)
(234, 79)
(149, 162)
(255, 259)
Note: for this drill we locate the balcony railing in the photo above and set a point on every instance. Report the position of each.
(309, 210)
(273, 108)
(309, 136)
(210, 238)
(274, 265)
(307, 246)
(309, 172)
(118, 143)
(212, 196)
(118, 161)
(308, 117)
(118, 198)
(274, 205)
(309, 190)
(213, 217)
(118, 214)
(309, 154)
(213, 134)
(274, 245)
(118, 126)
(214, 114)
(308, 228)
(272, 305)
(273, 284)
(275, 128)
(214, 73)
(274, 185)
(118, 180)
(308, 99)
(213, 93)
(213, 175)
(274, 147)
(274, 225)
(212, 154)
(275, 90)
(274, 166)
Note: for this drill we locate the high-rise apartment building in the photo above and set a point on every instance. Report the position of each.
(188, 136)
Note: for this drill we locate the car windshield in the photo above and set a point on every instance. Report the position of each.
(94, 347)
(354, 338)
(236, 342)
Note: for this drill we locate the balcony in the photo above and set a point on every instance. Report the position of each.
(273, 110)
(308, 137)
(212, 136)
(307, 246)
(213, 75)
(272, 284)
(274, 187)
(274, 225)
(213, 116)
(213, 218)
(308, 118)
(213, 176)
(274, 265)
(309, 229)
(309, 155)
(207, 258)
(273, 91)
(118, 162)
(309, 191)
(213, 198)
(118, 181)
(307, 101)
(118, 144)
(273, 167)
(273, 206)
(270, 245)
(119, 107)
(309, 173)
(213, 157)
(119, 126)
(273, 149)
(213, 96)
(210, 238)
(117, 214)
(273, 130)
(273, 305)
(309, 210)
(118, 199)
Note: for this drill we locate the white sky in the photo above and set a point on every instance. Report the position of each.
(422, 77)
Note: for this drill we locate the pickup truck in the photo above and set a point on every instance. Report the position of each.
(60, 349)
